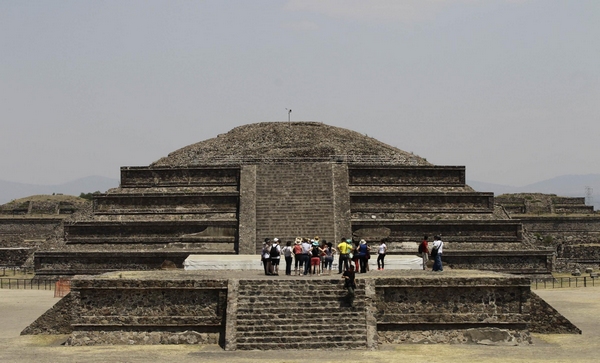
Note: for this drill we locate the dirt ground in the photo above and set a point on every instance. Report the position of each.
(18, 308)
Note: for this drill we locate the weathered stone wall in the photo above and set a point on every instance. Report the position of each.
(192, 176)
(454, 231)
(380, 202)
(69, 263)
(520, 262)
(547, 320)
(57, 320)
(172, 203)
(216, 236)
(14, 256)
(431, 301)
(27, 232)
(486, 309)
(406, 175)
(537, 203)
(113, 310)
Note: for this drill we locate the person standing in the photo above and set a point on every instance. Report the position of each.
(355, 257)
(298, 256)
(315, 259)
(436, 253)
(349, 277)
(424, 251)
(361, 251)
(287, 253)
(381, 251)
(306, 250)
(275, 254)
(344, 248)
(329, 255)
(266, 256)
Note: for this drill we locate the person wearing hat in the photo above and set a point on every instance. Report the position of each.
(362, 250)
(315, 261)
(298, 256)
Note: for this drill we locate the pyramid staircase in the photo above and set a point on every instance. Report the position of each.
(299, 314)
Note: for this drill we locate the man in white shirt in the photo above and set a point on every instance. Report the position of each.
(436, 253)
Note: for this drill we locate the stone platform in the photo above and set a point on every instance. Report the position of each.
(253, 262)
(243, 310)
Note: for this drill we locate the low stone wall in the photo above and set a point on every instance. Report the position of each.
(67, 263)
(14, 256)
(456, 309)
(200, 176)
(406, 175)
(57, 320)
(189, 307)
(454, 231)
(518, 262)
(485, 336)
(166, 203)
(160, 308)
(381, 202)
(546, 320)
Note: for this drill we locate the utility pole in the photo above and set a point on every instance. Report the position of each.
(289, 114)
(589, 195)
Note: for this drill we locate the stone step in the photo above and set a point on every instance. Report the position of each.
(293, 295)
(268, 321)
(322, 338)
(311, 285)
(356, 326)
(282, 311)
(325, 344)
(283, 337)
(293, 306)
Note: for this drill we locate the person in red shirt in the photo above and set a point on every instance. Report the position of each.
(424, 251)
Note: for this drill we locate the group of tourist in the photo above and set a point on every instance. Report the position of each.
(315, 256)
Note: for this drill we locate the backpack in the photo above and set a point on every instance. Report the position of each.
(274, 252)
(434, 251)
(421, 248)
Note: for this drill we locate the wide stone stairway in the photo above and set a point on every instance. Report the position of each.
(300, 314)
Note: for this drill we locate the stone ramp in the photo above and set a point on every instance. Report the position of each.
(300, 314)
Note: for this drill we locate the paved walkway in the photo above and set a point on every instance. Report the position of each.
(21, 307)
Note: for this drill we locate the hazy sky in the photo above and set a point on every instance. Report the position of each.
(508, 88)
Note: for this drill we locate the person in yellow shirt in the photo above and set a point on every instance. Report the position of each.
(345, 248)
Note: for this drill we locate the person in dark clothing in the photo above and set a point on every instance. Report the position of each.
(361, 251)
(349, 277)
(287, 253)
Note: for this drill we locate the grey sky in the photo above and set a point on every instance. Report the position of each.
(508, 88)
